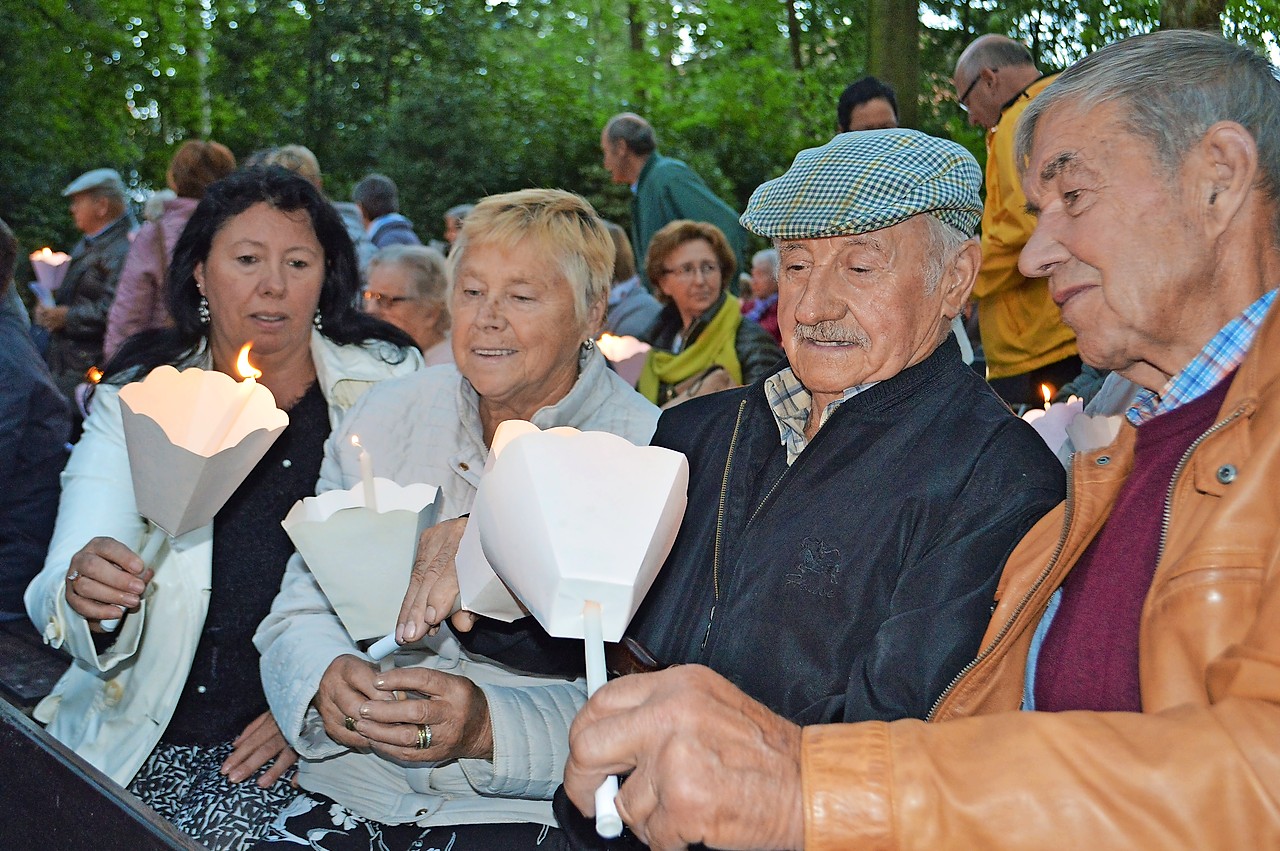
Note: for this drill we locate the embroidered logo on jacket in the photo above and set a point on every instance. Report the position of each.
(818, 568)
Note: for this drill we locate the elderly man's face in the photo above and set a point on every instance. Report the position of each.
(763, 281)
(854, 309)
(1117, 239)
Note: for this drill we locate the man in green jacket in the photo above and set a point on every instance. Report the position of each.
(662, 189)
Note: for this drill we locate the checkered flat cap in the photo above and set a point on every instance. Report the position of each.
(865, 181)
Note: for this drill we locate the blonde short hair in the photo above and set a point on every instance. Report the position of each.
(563, 225)
(297, 159)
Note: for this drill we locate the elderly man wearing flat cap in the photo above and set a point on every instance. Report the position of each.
(848, 515)
(77, 322)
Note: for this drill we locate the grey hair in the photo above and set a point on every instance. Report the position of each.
(1171, 87)
(426, 268)
(995, 51)
(944, 241)
(770, 256)
(637, 133)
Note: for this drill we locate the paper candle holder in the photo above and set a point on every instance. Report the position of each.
(363, 558)
(182, 472)
(567, 517)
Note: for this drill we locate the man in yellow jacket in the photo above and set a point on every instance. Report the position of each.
(1127, 693)
(1024, 339)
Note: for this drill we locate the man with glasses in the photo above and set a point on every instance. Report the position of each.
(1024, 339)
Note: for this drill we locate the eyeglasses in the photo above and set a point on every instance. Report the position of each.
(688, 271)
(383, 300)
(965, 97)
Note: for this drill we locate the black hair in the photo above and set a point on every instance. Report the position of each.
(858, 93)
(283, 190)
(377, 196)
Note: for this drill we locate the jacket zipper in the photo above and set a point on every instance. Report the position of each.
(1067, 516)
(1177, 474)
(724, 495)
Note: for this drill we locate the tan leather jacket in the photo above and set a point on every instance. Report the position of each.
(1198, 768)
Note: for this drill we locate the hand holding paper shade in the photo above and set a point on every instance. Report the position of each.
(577, 524)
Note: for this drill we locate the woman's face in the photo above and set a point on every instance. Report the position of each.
(692, 278)
(516, 335)
(262, 278)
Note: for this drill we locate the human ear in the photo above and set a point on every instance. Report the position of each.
(958, 277)
(1225, 164)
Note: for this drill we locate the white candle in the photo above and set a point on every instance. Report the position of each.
(608, 822)
(366, 475)
(239, 400)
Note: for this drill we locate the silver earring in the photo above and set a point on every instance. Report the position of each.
(316, 321)
(203, 310)
(588, 344)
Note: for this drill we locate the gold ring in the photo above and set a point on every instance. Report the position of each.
(349, 723)
(424, 736)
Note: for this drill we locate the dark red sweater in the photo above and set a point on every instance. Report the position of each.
(1089, 659)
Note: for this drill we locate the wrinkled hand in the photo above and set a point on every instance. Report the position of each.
(346, 685)
(260, 743)
(708, 764)
(433, 586)
(453, 706)
(51, 318)
(110, 579)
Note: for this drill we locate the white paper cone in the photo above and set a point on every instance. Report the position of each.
(566, 516)
(362, 558)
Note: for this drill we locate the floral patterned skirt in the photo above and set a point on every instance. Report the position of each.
(313, 821)
(183, 784)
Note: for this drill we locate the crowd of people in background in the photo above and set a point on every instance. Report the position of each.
(892, 615)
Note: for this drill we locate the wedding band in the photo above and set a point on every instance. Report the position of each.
(349, 723)
(424, 736)
(73, 575)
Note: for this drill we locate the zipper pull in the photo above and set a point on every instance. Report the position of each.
(710, 620)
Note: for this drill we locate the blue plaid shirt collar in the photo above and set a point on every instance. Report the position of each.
(790, 403)
(1216, 360)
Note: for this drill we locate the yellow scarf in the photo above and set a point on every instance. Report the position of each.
(715, 345)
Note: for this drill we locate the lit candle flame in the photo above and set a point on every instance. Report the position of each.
(1047, 392)
(49, 257)
(94, 375)
(246, 369)
(355, 441)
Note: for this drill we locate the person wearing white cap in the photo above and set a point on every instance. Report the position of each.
(77, 322)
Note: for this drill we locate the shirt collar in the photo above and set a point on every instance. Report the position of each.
(1215, 361)
(791, 402)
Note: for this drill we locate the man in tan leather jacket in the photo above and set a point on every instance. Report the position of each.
(1154, 166)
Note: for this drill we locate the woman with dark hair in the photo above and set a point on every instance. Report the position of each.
(701, 341)
(170, 701)
(139, 303)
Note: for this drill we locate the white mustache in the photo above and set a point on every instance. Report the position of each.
(829, 331)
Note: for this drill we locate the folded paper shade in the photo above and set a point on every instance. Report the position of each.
(182, 472)
(363, 557)
(627, 354)
(50, 268)
(480, 590)
(567, 517)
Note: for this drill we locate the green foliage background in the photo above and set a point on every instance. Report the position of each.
(456, 99)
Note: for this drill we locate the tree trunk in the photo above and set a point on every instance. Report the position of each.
(893, 52)
(1192, 14)
(793, 36)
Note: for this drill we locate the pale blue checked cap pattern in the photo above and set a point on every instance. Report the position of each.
(865, 181)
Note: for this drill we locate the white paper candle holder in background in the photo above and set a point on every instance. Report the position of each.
(627, 354)
(363, 557)
(50, 268)
(577, 525)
